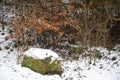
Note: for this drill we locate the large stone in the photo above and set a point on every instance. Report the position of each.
(42, 66)
(43, 61)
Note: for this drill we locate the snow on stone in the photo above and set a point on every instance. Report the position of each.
(39, 53)
(65, 1)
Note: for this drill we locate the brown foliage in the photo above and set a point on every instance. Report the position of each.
(89, 18)
(49, 15)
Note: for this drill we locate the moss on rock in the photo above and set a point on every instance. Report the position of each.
(42, 66)
(76, 50)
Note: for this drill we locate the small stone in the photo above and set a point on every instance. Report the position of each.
(0, 48)
(11, 50)
(15, 45)
(114, 58)
(6, 38)
(101, 67)
(7, 47)
(2, 33)
(94, 64)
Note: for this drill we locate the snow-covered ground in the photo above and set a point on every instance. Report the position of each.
(107, 68)
(104, 69)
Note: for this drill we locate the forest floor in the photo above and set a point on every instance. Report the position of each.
(105, 68)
